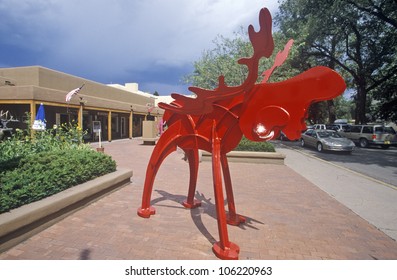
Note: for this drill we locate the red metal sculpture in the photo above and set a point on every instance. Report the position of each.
(216, 120)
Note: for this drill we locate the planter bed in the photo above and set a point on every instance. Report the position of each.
(250, 157)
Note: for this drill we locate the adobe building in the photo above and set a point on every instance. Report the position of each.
(120, 110)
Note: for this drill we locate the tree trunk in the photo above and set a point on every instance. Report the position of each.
(361, 99)
(331, 64)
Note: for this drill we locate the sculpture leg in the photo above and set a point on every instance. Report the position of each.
(165, 146)
(193, 158)
(223, 249)
(233, 218)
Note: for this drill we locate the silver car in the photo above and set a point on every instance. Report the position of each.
(329, 140)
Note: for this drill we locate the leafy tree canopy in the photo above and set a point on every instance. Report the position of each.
(357, 38)
(222, 60)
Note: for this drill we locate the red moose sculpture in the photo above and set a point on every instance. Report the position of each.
(215, 121)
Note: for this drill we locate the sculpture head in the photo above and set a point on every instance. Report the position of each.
(274, 107)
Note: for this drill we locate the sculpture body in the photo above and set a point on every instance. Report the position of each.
(216, 120)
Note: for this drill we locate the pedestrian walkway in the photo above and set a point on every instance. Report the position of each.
(371, 199)
(288, 217)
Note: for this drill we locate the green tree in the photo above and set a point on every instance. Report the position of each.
(357, 38)
(343, 108)
(222, 60)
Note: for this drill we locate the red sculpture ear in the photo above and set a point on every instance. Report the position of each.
(266, 124)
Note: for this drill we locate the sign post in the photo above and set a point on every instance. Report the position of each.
(96, 128)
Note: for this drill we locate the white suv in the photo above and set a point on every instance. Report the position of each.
(366, 135)
(319, 126)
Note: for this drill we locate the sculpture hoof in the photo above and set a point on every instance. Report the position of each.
(235, 220)
(196, 203)
(228, 253)
(146, 212)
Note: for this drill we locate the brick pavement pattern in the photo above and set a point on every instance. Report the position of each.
(287, 218)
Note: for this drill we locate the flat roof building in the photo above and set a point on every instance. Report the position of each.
(119, 109)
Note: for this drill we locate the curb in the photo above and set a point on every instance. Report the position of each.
(250, 157)
(23, 222)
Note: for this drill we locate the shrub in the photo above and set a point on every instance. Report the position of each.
(24, 143)
(39, 164)
(247, 145)
(46, 173)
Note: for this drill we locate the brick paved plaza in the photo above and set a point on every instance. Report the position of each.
(287, 218)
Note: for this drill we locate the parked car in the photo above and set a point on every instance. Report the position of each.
(282, 137)
(319, 126)
(329, 140)
(332, 127)
(375, 134)
(338, 126)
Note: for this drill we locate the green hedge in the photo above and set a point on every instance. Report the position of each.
(46, 173)
(247, 145)
(25, 143)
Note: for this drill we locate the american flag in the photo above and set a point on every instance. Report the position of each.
(73, 92)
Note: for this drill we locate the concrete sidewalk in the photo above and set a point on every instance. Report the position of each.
(371, 199)
(288, 217)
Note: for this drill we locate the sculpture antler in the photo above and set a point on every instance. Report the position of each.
(204, 99)
(280, 58)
